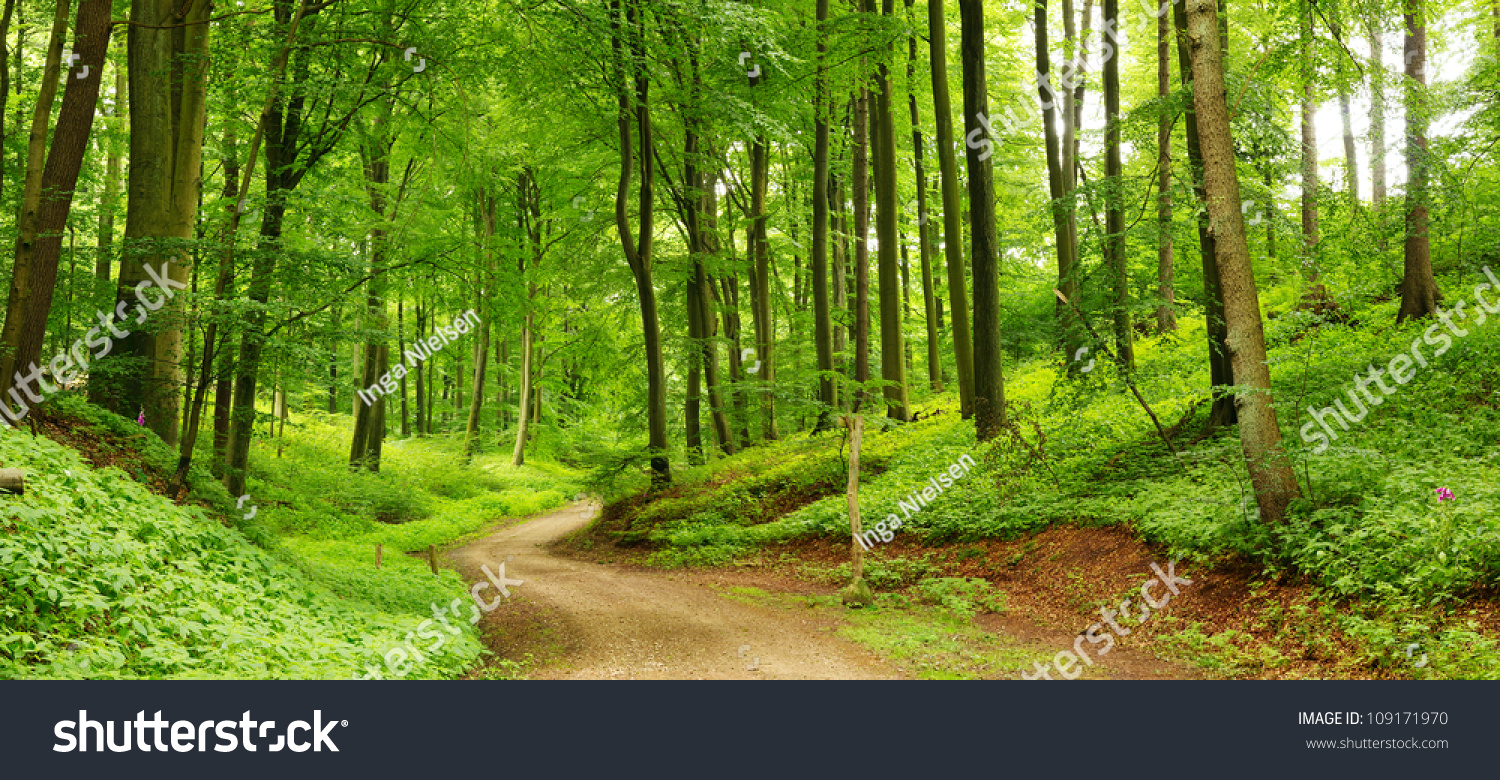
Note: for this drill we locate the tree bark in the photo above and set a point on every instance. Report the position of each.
(21, 335)
(1309, 150)
(989, 382)
(822, 316)
(1166, 313)
(892, 342)
(1377, 126)
(109, 201)
(924, 219)
(1221, 374)
(1260, 435)
(168, 67)
(1419, 290)
(1114, 210)
(953, 243)
(859, 184)
(765, 325)
(1057, 185)
(634, 109)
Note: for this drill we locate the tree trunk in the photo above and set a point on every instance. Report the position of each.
(31, 281)
(476, 398)
(989, 383)
(1114, 210)
(765, 326)
(892, 343)
(1309, 151)
(401, 351)
(924, 231)
(168, 93)
(1260, 435)
(1419, 290)
(1057, 184)
(422, 389)
(109, 202)
(953, 250)
(822, 316)
(1221, 373)
(857, 593)
(708, 205)
(10, 7)
(1166, 313)
(859, 184)
(634, 109)
(1377, 127)
(523, 400)
(370, 406)
(840, 284)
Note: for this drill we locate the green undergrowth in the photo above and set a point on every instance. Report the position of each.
(101, 578)
(1083, 451)
(424, 495)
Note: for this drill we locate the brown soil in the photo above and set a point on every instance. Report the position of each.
(582, 620)
(585, 615)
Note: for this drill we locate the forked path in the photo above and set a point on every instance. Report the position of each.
(590, 621)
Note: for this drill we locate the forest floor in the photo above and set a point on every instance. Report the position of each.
(581, 614)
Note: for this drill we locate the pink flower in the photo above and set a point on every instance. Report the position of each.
(1444, 494)
(141, 420)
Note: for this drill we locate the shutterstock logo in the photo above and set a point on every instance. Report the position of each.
(186, 737)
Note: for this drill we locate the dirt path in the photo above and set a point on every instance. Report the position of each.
(588, 621)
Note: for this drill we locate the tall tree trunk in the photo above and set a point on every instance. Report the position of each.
(634, 109)
(476, 398)
(39, 249)
(1260, 435)
(215, 345)
(765, 325)
(892, 343)
(523, 400)
(840, 261)
(369, 407)
(109, 202)
(989, 383)
(1221, 372)
(1419, 290)
(1377, 126)
(822, 317)
(1057, 185)
(708, 205)
(401, 351)
(953, 245)
(1351, 160)
(422, 389)
(1166, 314)
(487, 209)
(924, 230)
(1309, 150)
(5, 17)
(30, 282)
(1114, 224)
(859, 184)
(168, 66)
(281, 125)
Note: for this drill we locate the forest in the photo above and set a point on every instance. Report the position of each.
(955, 324)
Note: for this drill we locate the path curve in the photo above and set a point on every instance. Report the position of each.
(607, 622)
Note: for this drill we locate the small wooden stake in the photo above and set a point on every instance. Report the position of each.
(432, 558)
(12, 481)
(379, 551)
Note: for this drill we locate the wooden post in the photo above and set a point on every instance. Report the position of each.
(379, 551)
(432, 558)
(12, 481)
